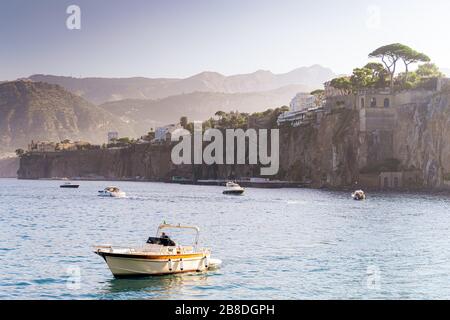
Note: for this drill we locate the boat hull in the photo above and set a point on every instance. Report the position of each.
(112, 194)
(133, 266)
(233, 192)
(358, 197)
(73, 186)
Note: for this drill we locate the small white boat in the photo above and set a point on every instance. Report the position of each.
(112, 192)
(159, 256)
(358, 195)
(233, 188)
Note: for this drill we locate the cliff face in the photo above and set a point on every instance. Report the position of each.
(422, 140)
(316, 153)
(323, 153)
(329, 151)
(139, 161)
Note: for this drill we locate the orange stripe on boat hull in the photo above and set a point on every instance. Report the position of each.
(151, 257)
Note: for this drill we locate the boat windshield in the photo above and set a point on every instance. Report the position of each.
(179, 233)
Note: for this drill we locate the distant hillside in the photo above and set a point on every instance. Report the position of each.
(146, 114)
(41, 111)
(101, 90)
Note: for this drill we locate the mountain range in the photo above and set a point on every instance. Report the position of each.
(101, 90)
(49, 107)
(145, 114)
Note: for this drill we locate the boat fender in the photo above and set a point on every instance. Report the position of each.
(206, 262)
(181, 264)
(170, 264)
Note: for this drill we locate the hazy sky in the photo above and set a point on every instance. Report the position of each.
(179, 38)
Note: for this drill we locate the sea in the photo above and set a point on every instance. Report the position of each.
(273, 243)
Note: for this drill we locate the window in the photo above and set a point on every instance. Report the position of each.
(386, 182)
(373, 103)
(396, 182)
(362, 102)
(387, 103)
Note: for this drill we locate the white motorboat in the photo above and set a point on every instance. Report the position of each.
(159, 256)
(233, 188)
(358, 195)
(112, 192)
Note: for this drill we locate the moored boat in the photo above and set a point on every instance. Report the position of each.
(69, 185)
(358, 195)
(112, 192)
(233, 189)
(159, 256)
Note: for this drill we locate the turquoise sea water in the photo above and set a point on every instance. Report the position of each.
(275, 244)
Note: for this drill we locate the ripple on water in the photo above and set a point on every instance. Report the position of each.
(274, 243)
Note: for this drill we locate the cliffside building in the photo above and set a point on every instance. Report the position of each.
(68, 145)
(302, 101)
(301, 108)
(42, 146)
(380, 131)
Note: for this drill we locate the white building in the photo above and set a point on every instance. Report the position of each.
(302, 101)
(301, 105)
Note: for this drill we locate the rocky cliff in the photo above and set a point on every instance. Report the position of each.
(319, 153)
(422, 139)
(329, 150)
(322, 153)
(139, 161)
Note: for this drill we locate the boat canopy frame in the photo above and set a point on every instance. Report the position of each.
(179, 226)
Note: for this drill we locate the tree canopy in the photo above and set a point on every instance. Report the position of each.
(391, 54)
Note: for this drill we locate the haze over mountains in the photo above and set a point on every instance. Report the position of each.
(146, 114)
(47, 107)
(101, 90)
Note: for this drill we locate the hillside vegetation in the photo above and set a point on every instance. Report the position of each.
(41, 111)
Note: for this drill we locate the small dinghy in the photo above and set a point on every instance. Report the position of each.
(112, 192)
(159, 256)
(358, 195)
(233, 189)
(69, 185)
